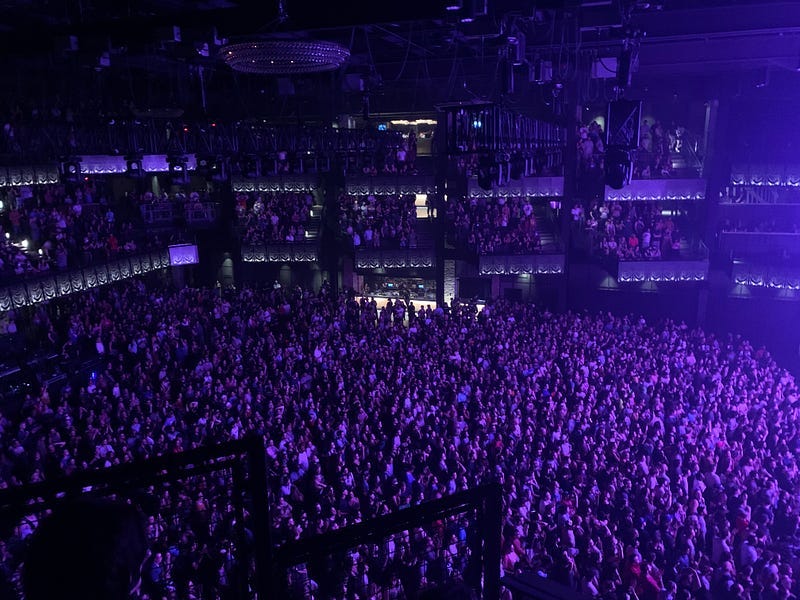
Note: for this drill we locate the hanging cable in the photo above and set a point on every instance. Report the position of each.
(408, 51)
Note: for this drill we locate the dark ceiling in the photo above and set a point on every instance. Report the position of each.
(405, 55)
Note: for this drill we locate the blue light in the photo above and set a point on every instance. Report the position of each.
(477, 124)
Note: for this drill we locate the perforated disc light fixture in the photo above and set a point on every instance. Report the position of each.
(284, 57)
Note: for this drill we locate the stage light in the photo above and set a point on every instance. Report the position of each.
(71, 169)
(178, 169)
(133, 165)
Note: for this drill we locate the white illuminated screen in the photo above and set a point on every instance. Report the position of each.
(183, 254)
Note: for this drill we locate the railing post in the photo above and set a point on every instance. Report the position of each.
(242, 555)
(493, 523)
(262, 533)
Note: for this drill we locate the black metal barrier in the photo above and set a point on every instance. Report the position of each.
(462, 531)
(531, 586)
(472, 558)
(238, 466)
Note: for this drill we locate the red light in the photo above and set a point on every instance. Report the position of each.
(185, 130)
(86, 179)
(213, 124)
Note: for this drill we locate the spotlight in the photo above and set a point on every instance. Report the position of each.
(71, 169)
(453, 5)
(177, 168)
(134, 165)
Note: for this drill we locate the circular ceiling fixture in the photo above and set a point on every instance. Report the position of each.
(284, 57)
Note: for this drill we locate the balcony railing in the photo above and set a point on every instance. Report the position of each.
(280, 253)
(56, 285)
(522, 264)
(167, 214)
(408, 258)
(758, 242)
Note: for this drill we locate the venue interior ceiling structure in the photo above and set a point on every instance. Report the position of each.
(403, 56)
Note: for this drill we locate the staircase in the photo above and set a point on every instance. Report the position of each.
(684, 166)
(548, 231)
(426, 234)
(687, 163)
(314, 224)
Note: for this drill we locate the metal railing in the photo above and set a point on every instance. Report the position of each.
(312, 567)
(464, 529)
(239, 463)
(166, 214)
(55, 285)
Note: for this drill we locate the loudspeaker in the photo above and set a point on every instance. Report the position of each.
(487, 173)
(618, 167)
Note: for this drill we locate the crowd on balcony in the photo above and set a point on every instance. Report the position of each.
(657, 144)
(396, 158)
(59, 227)
(267, 217)
(630, 230)
(591, 146)
(636, 459)
(495, 225)
(379, 221)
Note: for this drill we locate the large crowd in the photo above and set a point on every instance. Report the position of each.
(495, 225)
(379, 221)
(56, 227)
(637, 460)
(266, 217)
(631, 230)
